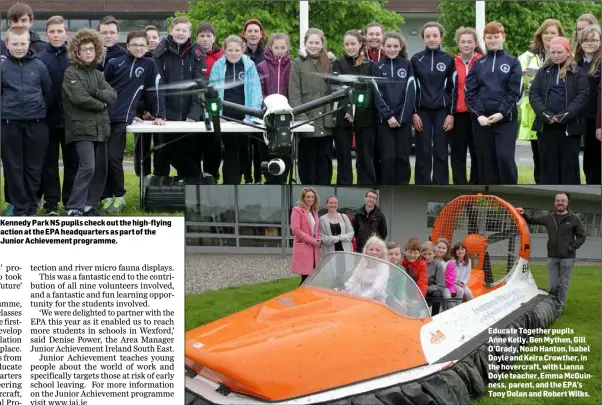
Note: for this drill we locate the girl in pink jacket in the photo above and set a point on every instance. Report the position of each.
(443, 254)
(305, 227)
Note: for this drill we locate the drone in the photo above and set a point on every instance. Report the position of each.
(276, 119)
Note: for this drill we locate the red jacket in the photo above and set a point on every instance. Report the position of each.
(462, 71)
(599, 115)
(211, 57)
(417, 270)
(376, 54)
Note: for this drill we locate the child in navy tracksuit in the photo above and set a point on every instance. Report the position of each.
(494, 85)
(588, 58)
(130, 75)
(56, 59)
(558, 94)
(26, 93)
(394, 101)
(358, 120)
(435, 73)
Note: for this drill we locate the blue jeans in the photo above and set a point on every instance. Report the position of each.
(559, 276)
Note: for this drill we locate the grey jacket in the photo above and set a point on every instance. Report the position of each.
(328, 240)
(436, 275)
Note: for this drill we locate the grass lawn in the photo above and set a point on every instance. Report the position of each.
(525, 175)
(132, 196)
(582, 314)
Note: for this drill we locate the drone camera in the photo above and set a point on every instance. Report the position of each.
(282, 134)
(275, 167)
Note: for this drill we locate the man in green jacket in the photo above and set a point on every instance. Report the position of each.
(565, 235)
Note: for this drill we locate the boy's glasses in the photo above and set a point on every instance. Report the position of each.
(86, 50)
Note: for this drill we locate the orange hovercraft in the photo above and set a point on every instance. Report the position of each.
(326, 343)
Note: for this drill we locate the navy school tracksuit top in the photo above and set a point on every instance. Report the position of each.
(495, 85)
(395, 97)
(132, 79)
(436, 80)
(115, 51)
(56, 61)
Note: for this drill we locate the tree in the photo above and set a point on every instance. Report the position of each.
(332, 17)
(520, 19)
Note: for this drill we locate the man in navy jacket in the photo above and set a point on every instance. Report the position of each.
(56, 60)
(494, 86)
(130, 75)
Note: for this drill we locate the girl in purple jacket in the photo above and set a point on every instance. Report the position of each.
(274, 72)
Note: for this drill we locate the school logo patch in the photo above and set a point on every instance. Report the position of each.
(139, 71)
(441, 67)
(402, 73)
(505, 68)
(241, 76)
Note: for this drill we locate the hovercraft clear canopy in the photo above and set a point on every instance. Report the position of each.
(369, 277)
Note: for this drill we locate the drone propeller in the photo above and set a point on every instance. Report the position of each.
(195, 87)
(345, 78)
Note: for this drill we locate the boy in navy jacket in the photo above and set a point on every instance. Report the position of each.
(131, 76)
(108, 28)
(57, 61)
(26, 91)
(394, 101)
(494, 86)
(180, 59)
(436, 98)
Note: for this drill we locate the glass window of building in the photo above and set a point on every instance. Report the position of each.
(75, 25)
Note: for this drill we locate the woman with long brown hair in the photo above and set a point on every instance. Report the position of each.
(305, 228)
(305, 85)
(530, 62)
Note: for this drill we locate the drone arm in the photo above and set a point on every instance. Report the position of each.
(318, 117)
(331, 98)
(248, 124)
(254, 112)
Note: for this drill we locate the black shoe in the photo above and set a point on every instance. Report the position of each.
(73, 213)
(91, 213)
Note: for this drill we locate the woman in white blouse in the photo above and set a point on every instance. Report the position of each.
(336, 231)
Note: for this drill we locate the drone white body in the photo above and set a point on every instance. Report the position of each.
(276, 104)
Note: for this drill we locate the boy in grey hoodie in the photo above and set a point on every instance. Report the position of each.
(436, 275)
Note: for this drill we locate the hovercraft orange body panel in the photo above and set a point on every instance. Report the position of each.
(285, 347)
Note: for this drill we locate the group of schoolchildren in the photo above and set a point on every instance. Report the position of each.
(440, 271)
(475, 101)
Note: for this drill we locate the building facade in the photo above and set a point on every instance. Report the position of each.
(131, 14)
(251, 219)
